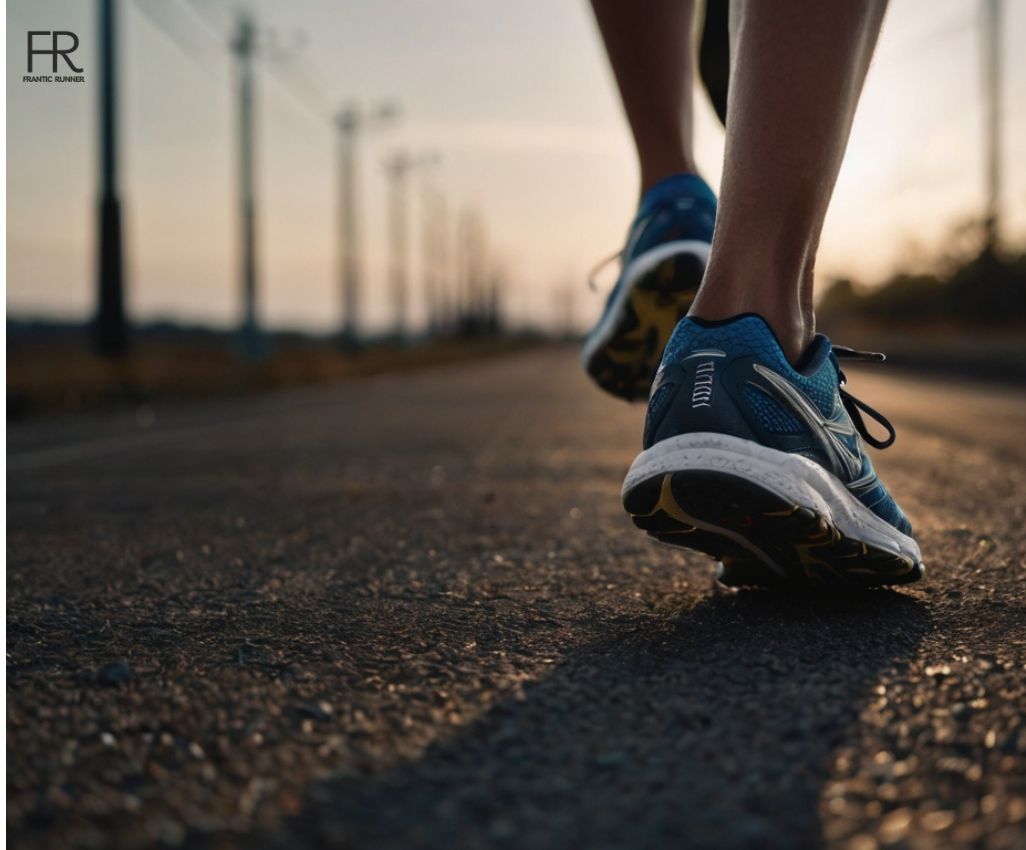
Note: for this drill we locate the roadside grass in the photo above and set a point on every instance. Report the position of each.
(62, 376)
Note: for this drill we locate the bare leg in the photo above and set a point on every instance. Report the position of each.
(649, 43)
(796, 76)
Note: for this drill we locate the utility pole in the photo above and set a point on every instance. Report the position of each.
(427, 256)
(433, 254)
(496, 286)
(349, 122)
(244, 46)
(464, 274)
(473, 272)
(564, 299)
(443, 270)
(992, 62)
(397, 168)
(110, 330)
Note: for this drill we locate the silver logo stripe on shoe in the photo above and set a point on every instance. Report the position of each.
(826, 431)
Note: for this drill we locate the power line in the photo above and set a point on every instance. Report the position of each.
(168, 19)
(282, 65)
(280, 61)
(217, 31)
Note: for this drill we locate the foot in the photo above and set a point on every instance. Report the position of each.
(760, 464)
(661, 268)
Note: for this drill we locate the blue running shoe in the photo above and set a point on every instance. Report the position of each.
(661, 268)
(760, 464)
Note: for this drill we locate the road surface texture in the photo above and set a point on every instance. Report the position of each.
(410, 612)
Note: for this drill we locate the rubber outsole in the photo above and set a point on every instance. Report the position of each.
(626, 362)
(759, 537)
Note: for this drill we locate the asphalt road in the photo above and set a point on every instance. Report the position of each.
(409, 612)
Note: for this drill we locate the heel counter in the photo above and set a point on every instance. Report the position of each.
(691, 396)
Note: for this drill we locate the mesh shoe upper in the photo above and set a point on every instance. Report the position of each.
(679, 207)
(662, 265)
(732, 377)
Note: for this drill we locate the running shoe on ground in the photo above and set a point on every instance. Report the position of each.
(760, 463)
(661, 268)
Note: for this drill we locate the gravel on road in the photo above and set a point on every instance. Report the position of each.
(410, 612)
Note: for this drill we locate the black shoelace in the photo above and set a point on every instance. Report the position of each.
(854, 406)
(599, 266)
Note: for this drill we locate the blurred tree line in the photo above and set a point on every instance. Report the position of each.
(987, 290)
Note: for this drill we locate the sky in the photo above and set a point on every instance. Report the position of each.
(519, 106)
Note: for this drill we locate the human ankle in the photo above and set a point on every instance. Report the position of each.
(793, 327)
(658, 170)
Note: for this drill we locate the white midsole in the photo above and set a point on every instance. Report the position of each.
(792, 477)
(637, 267)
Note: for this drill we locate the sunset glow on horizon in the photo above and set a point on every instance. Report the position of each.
(517, 102)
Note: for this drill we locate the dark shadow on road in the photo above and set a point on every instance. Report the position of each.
(714, 727)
